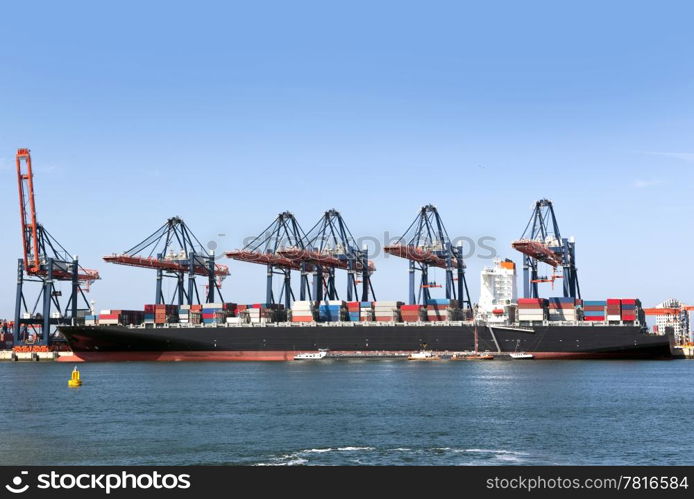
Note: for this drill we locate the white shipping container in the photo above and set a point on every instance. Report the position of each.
(392, 304)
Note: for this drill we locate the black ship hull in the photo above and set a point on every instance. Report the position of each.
(282, 342)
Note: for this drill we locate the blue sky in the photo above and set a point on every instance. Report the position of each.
(227, 113)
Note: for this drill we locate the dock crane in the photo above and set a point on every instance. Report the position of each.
(541, 242)
(45, 261)
(174, 251)
(426, 244)
(284, 232)
(329, 245)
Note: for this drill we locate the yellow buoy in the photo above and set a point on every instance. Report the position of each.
(75, 380)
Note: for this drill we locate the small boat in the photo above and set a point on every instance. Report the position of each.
(472, 356)
(423, 355)
(521, 355)
(320, 354)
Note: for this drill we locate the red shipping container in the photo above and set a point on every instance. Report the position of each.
(302, 318)
(613, 301)
(558, 306)
(410, 307)
(594, 318)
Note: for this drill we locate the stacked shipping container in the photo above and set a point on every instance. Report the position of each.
(353, 308)
(331, 310)
(387, 311)
(366, 311)
(303, 311)
(161, 314)
(412, 313)
(594, 310)
(125, 317)
(442, 309)
(213, 313)
(532, 309)
(614, 309)
(629, 309)
(562, 309)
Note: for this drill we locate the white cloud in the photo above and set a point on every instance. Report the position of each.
(642, 184)
(684, 156)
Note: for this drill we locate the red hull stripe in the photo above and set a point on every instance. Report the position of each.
(281, 356)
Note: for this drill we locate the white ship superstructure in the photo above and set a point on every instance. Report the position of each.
(498, 292)
(677, 322)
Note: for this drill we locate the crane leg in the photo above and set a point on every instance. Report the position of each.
(18, 302)
(47, 297)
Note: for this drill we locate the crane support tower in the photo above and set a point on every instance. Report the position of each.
(328, 246)
(541, 242)
(426, 244)
(284, 232)
(174, 251)
(46, 262)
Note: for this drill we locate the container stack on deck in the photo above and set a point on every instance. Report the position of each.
(303, 311)
(190, 314)
(213, 313)
(261, 312)
(366, 311)
(614, 310)
(630, 308)
(594, 310)
(353, 308)
(331, 310)
(563, 309)
(387, 311)
(532, 309)
(125, 317)
(442, 309)
(161, 314)
(412, 313)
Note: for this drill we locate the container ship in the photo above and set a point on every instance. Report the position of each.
(553, 328)
(282, 327)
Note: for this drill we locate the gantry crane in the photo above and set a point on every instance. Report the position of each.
(426, 244)
(328, 246)
(45, 261)
(541, 242)
(174, 251)
(284, 232)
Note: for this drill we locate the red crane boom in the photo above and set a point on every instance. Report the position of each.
(35, 239)
(27, 210)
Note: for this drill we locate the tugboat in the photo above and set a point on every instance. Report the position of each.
(320, 354)
(521, 356)
(423, 355)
